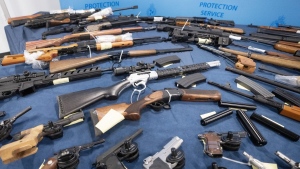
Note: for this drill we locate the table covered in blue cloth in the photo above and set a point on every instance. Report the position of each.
(182, 120)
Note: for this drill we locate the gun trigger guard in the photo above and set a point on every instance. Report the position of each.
(141, 83)
(157, 106)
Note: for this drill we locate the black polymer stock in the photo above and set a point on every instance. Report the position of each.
(29, 82)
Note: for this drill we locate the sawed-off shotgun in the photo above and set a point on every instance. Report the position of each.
(106, 117)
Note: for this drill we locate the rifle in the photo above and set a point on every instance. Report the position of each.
(292, 112)
(108, 25)
(27, 140)
(64, 65)
(69, 157)
(295, 64)
(289, 49)
(285, 29)
(7, 125)
(289, 26)
(82, 36)
(69, 103)
(105, 118)
(66, 18)
(124, 150)
(227, 29)
(279, 55)
(47, 54)
(29, 82)
(275, 37)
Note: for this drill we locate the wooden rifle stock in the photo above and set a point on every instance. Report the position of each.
(69, 38)
(286, 48)
(54, 22)
(292, 112)
(65, 65)
(106, 117)
(227, 29)
(289, 43)
(266, 58)
(9, 20)
(279, 29)
(12, 59)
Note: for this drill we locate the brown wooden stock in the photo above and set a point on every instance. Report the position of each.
(245, 64)
(51, 163)
(200, 95)
(286, 48)
(135, 53)
(227, 29)
(283, 56)
(292, 112)
(101, 112)
(68, 38)
(65, 65)
(266, 58)
(279, 29)
(9, 20)
(54, 22)
(24, 147)
(103, 46)
(48, 56)
(12, 59)
(289, 43)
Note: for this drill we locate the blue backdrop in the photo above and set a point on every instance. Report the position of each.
(242, 12)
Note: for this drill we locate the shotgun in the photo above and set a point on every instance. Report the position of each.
(64, 65)
(82, 36)
(285, 29)
(288, 49)
(71, 102)
(116, 113)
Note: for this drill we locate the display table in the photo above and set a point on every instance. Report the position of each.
(182, 120)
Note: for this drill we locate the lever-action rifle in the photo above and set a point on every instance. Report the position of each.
(69, 157)
(69, 103)
(114, 114)
(82, 36)
(27, 140)
(64, 65)
(29, 82)
(47, 54)
(7, 125)
(124, 150)
(292, 112)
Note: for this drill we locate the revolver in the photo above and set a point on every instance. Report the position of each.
(214, 143)
(169, 157)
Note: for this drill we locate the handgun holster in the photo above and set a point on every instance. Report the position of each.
(245, 64)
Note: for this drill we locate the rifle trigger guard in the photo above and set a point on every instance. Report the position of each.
(137, 84)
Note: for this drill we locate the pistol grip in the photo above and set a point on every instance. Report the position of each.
(245, 64)
(22, 148)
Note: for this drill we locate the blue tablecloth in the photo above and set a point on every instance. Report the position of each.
(182, 120)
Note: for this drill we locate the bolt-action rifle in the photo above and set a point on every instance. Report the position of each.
(71, 102)
(27, 140)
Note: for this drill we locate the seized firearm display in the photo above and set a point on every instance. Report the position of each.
(68, 158)
(64, 65)
(69, 103)
(82, 36)
(27, 140)
(47, 54)
(124, 150)
(285, 29)
(292, 163)
(29, 82)
(214, 143)
(292, 112)
(106, 117)
(168, 158)
(7, 125)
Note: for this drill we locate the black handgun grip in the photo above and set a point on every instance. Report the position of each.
(274, 126)
(254, 134)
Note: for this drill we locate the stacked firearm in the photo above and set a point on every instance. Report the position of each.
(96, 30)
